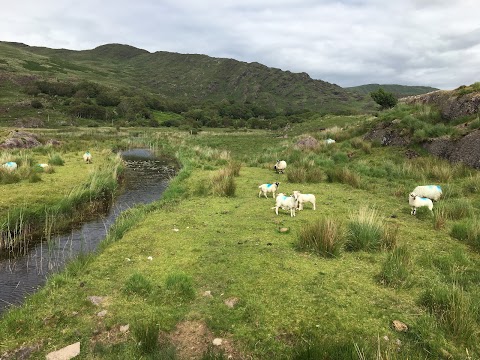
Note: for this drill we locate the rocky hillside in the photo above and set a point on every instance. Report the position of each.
(464, 101)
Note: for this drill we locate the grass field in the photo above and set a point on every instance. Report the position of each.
(209, 261)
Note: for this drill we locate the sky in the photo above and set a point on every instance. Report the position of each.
(346, 42)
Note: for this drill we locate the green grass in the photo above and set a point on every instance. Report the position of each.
(291, 304)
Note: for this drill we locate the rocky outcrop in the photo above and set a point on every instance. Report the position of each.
(20, 139)
(450, 104)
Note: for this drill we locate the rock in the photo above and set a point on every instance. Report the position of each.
(102, 313)
(283, 229)
(308, 142)
(20, 139)
(399, 326)
(386, 338)
(124, 328)
(207, 293)
(217, 341)
(96, 300)
(66, 353)
(231, 302)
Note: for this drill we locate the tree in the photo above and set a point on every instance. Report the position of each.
(385, 99)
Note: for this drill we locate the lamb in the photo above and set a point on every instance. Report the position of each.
(303, 198)
(10, 166)
(266, 188)
(286, 203)
(416, 201)
(87, 157)
(280, 166)
(432, 192)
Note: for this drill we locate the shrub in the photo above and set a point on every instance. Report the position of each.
(314, 175)
(396, 268)
(385, 99)
(296, 175)
(344, 176)
(322, 237)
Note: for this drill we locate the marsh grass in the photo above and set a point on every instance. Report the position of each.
(472, 185)
(296, 175)
(397, 268)
(453, 308)
(457, 209)
(9, 177)
(323, 237)
(440, 217)
(468, 231)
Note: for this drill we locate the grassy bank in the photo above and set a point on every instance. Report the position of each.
(209, 261)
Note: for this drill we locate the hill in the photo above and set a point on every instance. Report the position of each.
(398, 90)
(191, 79)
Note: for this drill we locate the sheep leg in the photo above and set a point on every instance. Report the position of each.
(414, 211)
(276, 210)
(314, 207)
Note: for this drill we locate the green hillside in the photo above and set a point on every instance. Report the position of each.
(398, 90)
(233, 88)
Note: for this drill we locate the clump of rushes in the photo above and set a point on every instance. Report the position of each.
(365, 231)
(146, 334)
(439, 218)
(296, 175)
(234, 167)
(137, 284)
(223, 184)
(55, 159)
(323, 237)
(344, 176)
(396, 268)
(467, 231)
(180, 285)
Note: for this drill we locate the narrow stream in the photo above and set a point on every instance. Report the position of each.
(146, 177)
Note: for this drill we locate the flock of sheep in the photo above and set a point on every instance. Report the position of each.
(293, 202)
(421, 196)
(12, 165)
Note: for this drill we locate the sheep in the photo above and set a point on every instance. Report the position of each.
(303, 198)
(286, 203)
(87, 157)
(432, 192)
(44, 166)
(10, 166)
(280, 166)
(416, 201)
(330, 141)
(266, 188)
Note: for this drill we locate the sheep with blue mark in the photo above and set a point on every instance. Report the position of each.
(416, 201)
(286, 203)
(432, 192)
(280, 166)
(10, 166)
(267, 188)
(87, 157)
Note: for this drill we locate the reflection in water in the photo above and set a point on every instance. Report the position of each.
(145, 180)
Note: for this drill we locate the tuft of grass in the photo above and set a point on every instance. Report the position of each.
(314, 175)
(323, 237)
(396, 268)
(213, 354)
(223, 184)
(344, 176)
(180, 285)
(390, 236)
(439, 218)
(296, 175)
(234, 168)
(467, 231)
(55, 159)
(364, 231)
(453, 308)
(137, 284)
(146, 334)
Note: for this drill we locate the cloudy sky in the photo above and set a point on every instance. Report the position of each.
(346, 42)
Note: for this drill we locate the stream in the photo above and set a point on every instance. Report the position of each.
(145, 179)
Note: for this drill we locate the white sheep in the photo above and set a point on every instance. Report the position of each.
(10, 166)
(329, 141)
(87, 157)
(416, 201)
(433, 192)
(44, 166)
(280, 166)
(286, 203)
(266, 188)
(303, 198)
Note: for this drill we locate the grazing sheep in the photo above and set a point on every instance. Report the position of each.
(416, 201)
(433, 192)
(286, 203)
(87, 157)
(10, 166)
(280, 166)
(330, 141)
(303, 198)
(266, 188)
(43, 165)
